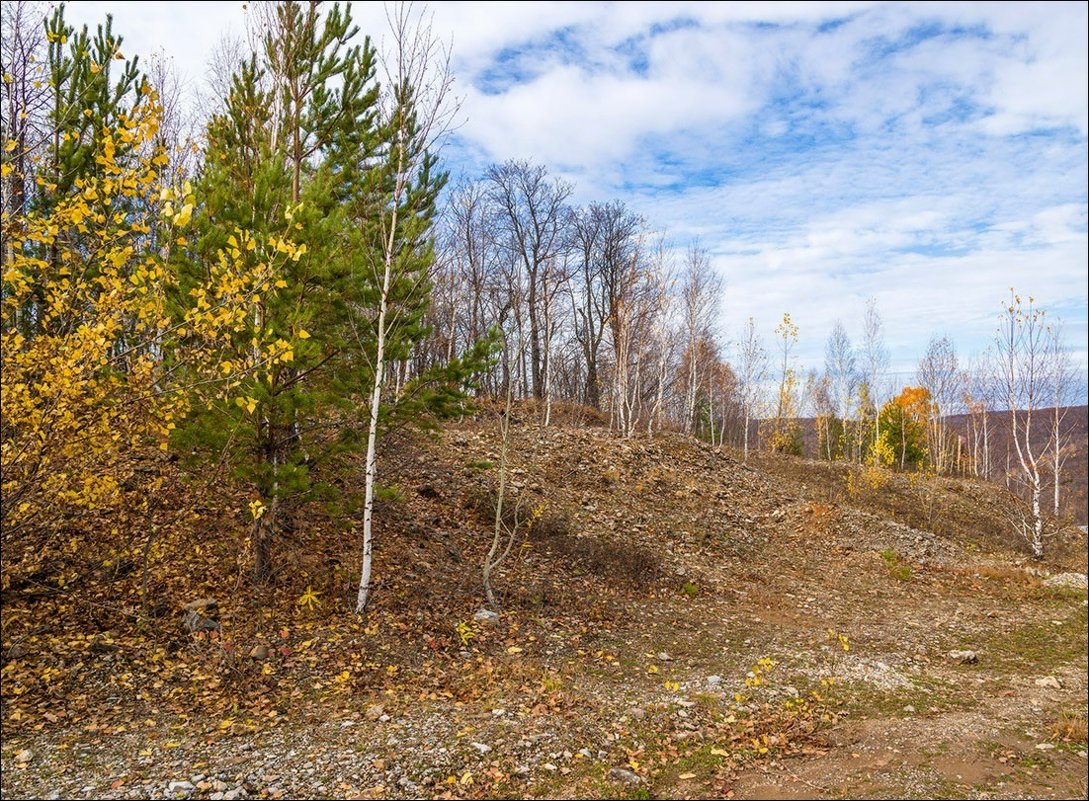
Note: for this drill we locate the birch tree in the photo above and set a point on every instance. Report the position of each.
(1022, 349)
(415, 114)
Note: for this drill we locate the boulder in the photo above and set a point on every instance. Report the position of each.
(1075, 581)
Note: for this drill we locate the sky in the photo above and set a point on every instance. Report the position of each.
(929, 155)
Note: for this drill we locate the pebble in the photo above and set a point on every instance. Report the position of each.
(1050, 682)
(625, 775)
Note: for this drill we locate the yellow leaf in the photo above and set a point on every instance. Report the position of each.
(514, 649)
(184, 215)
(303, 334)
(308, 599)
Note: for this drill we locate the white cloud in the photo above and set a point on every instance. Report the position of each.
(930, 155)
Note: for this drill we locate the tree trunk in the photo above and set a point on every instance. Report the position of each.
(1037, 520)
(264, 531)
(372, 439)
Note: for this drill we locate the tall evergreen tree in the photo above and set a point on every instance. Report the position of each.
(284, 156)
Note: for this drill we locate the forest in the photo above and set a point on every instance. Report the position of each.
(228, 332)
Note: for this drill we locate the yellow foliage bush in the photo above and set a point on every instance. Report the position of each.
(95, 367)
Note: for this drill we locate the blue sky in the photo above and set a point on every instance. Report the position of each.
(929, 155)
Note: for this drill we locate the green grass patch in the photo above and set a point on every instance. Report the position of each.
(1041, 645)
(896, 568)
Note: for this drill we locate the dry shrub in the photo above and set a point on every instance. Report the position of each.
(1070, 727)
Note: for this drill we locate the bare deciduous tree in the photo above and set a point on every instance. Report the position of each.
(701, 296)
(530, 217)
(752, 361)
(875, 361)
(939, 372)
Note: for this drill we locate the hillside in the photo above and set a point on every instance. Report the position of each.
(675, 624)
(1074, 497)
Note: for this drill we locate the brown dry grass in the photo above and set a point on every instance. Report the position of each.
(1071, 726)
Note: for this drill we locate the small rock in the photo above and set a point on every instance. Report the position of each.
(26, 755)
(548, 766)
(586, 753)
(259, 652)
(664, 657)
(481, 747)
(909, 708)
(16, 652)
(624, 775)
(964, 657)
(486, 616)
(375, 712)
(637, 712)
(184, 788)
(1050, 682)
(499, 712)
(233, 795)
(714, 681)
(1045, 746)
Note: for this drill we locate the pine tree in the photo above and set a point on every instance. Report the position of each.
(285, 157)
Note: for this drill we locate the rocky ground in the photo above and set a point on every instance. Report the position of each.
(675, 624)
